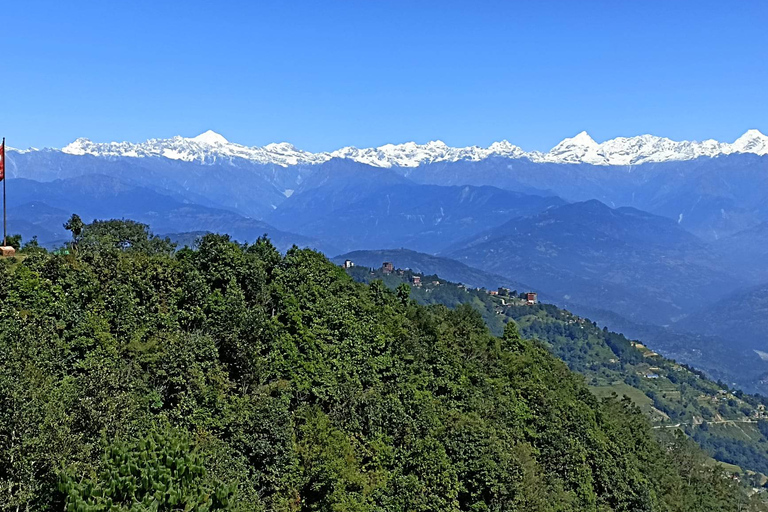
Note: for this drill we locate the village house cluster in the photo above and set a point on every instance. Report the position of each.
(530, 298)
(507, 296)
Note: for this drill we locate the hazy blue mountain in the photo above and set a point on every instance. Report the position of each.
(421, 217)
(45, 206)
(641, 266)
(331, 187)
(36, 218)
(746, 252)
(239, 185)
(28, 231)
(712, 197)
(90, 196)
(742, 319)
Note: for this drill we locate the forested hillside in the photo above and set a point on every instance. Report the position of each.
(135, 377)
(730, 425)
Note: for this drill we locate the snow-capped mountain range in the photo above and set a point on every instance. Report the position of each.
(210, 147)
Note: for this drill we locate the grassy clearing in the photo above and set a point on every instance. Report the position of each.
(622, 389)
(744, 431)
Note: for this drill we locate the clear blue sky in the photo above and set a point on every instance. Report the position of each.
(325, 74)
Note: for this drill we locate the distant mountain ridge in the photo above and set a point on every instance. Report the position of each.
(589, 253)
(704, 236)
(713, 190)
(710, 197)
(40, 209)
(354, 215)
(210, 147)
(742, 320)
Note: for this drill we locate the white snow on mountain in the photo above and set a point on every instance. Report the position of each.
(579, 149)
(207, 147)
(211, 147)
(210, 137)
(751, 142)
(411, 154)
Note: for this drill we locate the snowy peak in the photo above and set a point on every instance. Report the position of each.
(579, 149)
(648, 148)
(751, 142)
(211, 147)
(411, 154)
(210, 137)
(77, 147)
(206, 148)
(582, 139)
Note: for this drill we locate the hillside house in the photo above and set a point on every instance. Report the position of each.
(531, 298)
(387, 267)
(416, 280)
(493, 292)
(349, 263)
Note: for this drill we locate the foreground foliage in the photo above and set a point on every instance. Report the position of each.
(160, 472)
(729, 425)
(233, 377)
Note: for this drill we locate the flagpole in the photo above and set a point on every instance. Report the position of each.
(5, 222)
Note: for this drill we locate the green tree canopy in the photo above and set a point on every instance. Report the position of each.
(232, 376)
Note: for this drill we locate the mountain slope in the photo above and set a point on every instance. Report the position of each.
(741, 368)
(248, 188)
(641, 266)
(747, 252)
(48, 205)
(331, 186)
(711, 197)
(726, 423)
(742, 320)
(420, 217)
(712, 189)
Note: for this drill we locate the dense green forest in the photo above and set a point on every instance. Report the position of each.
(231, 377)
(731, 426)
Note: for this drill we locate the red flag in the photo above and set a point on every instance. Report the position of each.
(2, 161)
